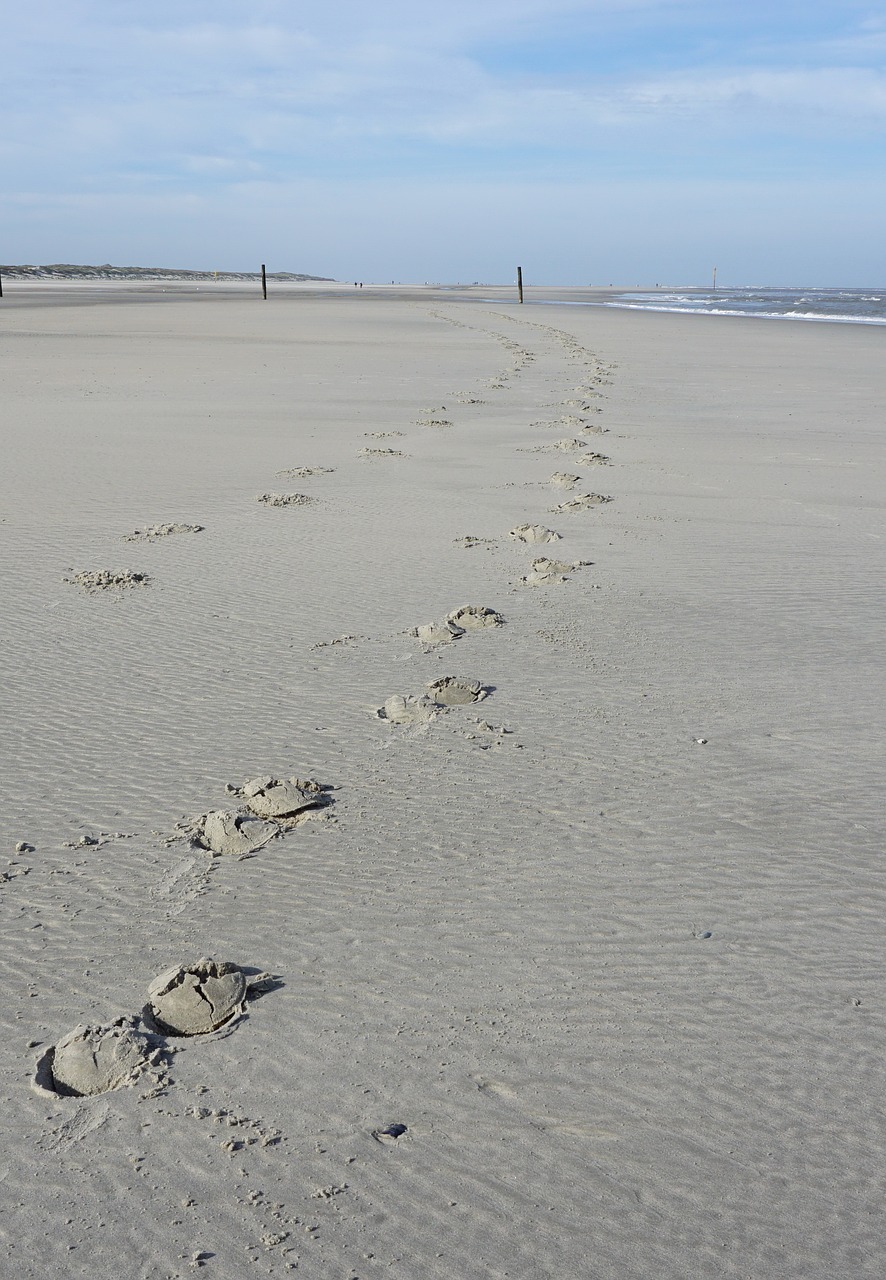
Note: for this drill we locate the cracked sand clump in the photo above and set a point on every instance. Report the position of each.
(96, 1059)
(455, 691)
(271, 797)
(108, 579)
(533, 533)
(473, 617)
(198, 999)
(154, 531)
(380, 453)
(238, 832)
(285, 499)
(591, 459)
(408, 710)
(563, 480)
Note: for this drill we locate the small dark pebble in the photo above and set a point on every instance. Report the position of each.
(392, 1131)
(707, 935)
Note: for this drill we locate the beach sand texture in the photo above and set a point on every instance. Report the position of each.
(573, 966)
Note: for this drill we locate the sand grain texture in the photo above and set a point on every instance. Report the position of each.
(601, 994)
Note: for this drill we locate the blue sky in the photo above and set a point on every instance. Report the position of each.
(631, 141)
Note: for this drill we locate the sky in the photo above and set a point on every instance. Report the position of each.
(590, 141)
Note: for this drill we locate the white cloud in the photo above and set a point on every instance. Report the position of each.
(159, 108)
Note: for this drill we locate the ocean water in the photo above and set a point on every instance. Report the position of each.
(846, 306)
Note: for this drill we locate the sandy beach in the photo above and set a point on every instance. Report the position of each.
(573, 964)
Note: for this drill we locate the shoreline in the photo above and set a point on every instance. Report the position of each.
(612, 959)
(19, 293)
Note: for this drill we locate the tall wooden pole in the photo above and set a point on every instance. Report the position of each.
(715, 279)
(1, 286)
(264, 282)
(520, 284)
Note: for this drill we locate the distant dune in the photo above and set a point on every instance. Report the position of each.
(69, 271)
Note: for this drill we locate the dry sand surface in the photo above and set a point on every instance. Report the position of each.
(386, 937)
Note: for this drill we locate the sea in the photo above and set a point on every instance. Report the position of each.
(843, 306)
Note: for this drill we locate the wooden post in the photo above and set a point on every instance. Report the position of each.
(264, 282)
(520, 284)
(1, 286)
(715, 279)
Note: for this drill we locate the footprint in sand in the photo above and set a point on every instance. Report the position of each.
(302, 473)
(573, 420)
(469, 542)
(269, 806)
(94, 1059)
(456, 691)
(155, 531)
(565, 445)
(533, 533)
(569, 444)
(381, 453)
(432, 634)
(545, 570)
(448, 691)
(591, 459)
(93, 580)
(381, 435)
(474, 617)
(408, 710)
(433, 422)
(563, 480)
(232, 832)
(197, 999)
(345, 641)
(494, 735)
(285, 499)
(469, 617)
(269, 797)
(582, 503)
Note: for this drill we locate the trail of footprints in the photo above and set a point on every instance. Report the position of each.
(190, 1003)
